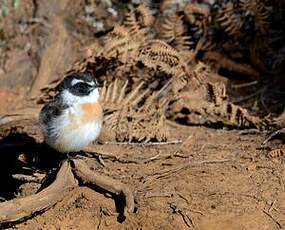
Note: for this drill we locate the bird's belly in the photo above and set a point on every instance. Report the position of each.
(74, 139)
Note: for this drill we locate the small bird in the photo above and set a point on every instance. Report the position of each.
(74, 117)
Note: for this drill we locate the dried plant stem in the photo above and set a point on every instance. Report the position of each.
(144, 143)
(168, 172)
(248, 84)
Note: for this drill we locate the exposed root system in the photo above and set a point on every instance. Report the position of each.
(23, 208)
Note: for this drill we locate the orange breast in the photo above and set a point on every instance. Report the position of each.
(91, 112)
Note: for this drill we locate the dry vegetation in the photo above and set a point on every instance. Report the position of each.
(162, 65)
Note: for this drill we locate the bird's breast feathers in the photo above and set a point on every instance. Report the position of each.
(84, 113)
(91, 111)
(83, 126)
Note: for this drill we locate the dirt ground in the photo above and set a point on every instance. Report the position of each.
(212, 179)
(202, 178)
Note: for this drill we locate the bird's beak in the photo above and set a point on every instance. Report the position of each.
(99, 85)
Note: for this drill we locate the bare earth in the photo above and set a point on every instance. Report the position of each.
(214, 179)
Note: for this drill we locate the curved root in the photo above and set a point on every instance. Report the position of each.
(22, 208)
(87, 175)
(19, 209)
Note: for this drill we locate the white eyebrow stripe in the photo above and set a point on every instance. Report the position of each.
(75, 81)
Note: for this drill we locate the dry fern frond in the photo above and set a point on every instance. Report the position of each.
(275, 153)
(138, 21)
(260, 14)
(219, 110)
(200, 77)
(147, 18)
(229, 20)
(119, 44)
(173, 32)
(147, 123)
(198, 9)
(127, 119)
(114, 96)
(159, 55)
(198, 17)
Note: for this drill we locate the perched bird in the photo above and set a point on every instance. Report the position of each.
(74, 117)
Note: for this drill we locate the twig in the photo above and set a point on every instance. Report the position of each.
(272, 135)
(134, 160)
(272, 206)
(249, 132)
(144, 143)
(187, 220)
(237, 86)
(156, 157)
(272, 218)
(176, 169)
(188, 203)
(183, 144)
(123, 160)
(151, 195)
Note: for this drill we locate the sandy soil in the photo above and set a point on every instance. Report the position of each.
(213, 179)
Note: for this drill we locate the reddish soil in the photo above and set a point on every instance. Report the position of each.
(213, 179)
(217, 179)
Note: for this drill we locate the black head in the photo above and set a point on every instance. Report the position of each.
(78, 84)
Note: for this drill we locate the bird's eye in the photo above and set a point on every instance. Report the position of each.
(81, 89)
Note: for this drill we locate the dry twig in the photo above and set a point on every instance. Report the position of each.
(272, 218)
(186, 218)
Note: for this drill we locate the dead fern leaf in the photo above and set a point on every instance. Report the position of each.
(259, 12)
(139, 21)
(229, 20)
(221, 111)
(119, 44)
(275, 153)
(173, 32)
(159, 55)
(199, 9)
(129, 120)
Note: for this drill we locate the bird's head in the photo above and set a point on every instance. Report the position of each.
(78, 88)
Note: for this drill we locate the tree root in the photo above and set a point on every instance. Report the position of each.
(87, 175)
(20, 209)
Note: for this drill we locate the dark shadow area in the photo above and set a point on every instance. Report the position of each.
(21, 154)
(120, 203)
(16, 154)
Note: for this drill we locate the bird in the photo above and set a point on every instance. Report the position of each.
(74, 117)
